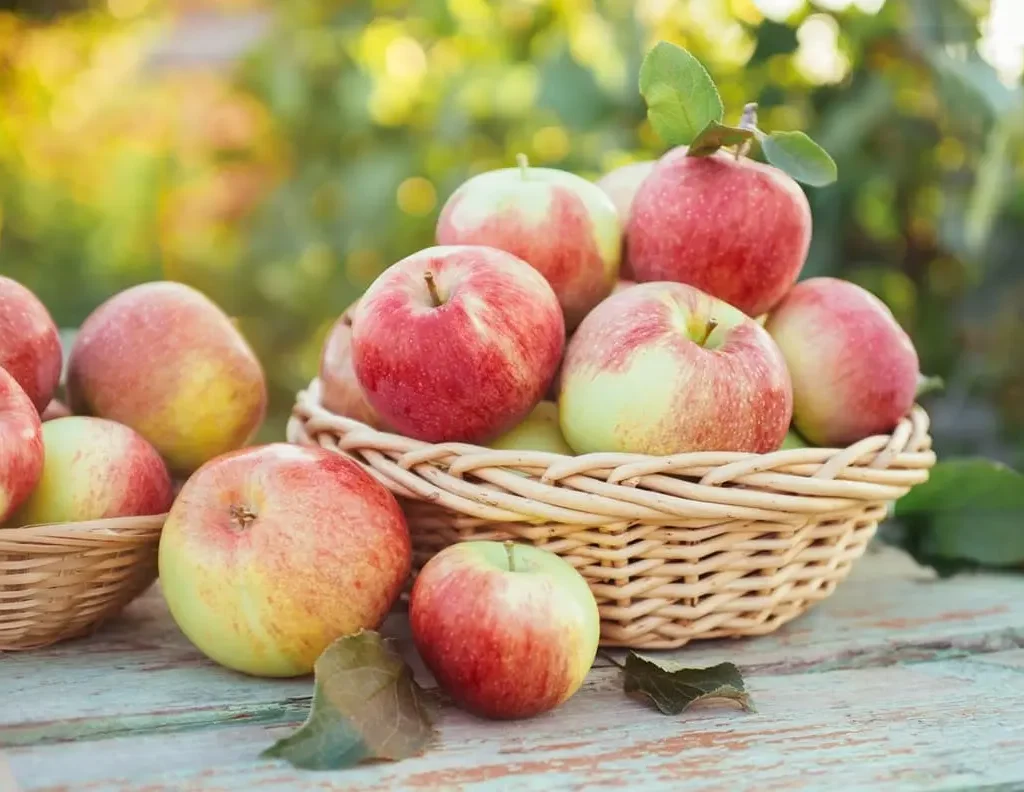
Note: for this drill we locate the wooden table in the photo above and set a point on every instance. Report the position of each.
(899, 681)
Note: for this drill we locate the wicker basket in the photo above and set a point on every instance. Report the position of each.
(697, 545)
(63, 580)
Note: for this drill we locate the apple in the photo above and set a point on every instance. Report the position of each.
(21, 445)
(457, 343)
(854, 369)
(508, 631)
(165, 360)
(621, 185)
(29, 342)
(55, 409)
(734, 228)
(538, 432)
(94, 469)
(340, 391)
(271, 553)
(663, 368)
(561, 224)
(622, 284)
(792, 440)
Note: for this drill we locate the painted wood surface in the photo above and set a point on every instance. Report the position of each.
(899, 681)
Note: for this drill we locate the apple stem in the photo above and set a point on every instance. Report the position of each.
(242, 515)
(509, 544)
(709, 328)
(524, 165)
(747, 121)
(435, 297)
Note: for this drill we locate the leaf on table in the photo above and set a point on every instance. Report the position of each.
(800, 157)
(715, 136)
(969, 484)
(366, 705)
(673, 688)
(681, 97)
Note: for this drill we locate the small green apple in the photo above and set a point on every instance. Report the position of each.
(538, 432)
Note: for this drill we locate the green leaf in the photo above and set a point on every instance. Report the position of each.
(927, 385)
(800, 157)
(681, 96)
(672, 688)
(715, 136)
(366, 705)
(966, 485)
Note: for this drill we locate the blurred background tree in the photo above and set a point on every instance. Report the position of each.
(279, 156)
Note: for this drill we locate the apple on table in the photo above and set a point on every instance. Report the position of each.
(21, 445)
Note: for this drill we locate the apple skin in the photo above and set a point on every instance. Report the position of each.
(621, 185)
(21, 445)
(94, 469)
(29, 342)
(854, 369)
(738, 230)
(340, 390)
(271, 553)
(636, 378)
(163, 359)
(55, 409)
(470, 368)
(504, 644)
(792, 440)
(538, 432)
(561, 224)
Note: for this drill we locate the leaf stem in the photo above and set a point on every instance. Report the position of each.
(747, 121)
(435, 297)
(524, 165)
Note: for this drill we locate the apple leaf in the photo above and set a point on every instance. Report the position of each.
(673, 688)
(681, 97)
(966, 485)
(715, 136)
(800, 157)
(366, 705)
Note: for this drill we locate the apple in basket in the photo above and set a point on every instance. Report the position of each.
(561, 224)
(854, 369)
(340, 390)
(621, 185)
(663, 368)
(271, 553)
(457, 343)
(539, 432)
(21, 445)
(29, 342)
(508, 631)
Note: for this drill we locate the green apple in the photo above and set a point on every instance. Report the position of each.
(538, 432)
(793, 440)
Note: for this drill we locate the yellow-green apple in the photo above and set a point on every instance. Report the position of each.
(162, 358)
(21, 445)
(457, 342)
(93, 469)
(621, 185)
(340, 391)
(792, 440)
(734, 228)
(538, 432)
(854, 369)
(663, 368)
(271, 553)
(507, 631)
(55, 409)
(29, 342)
(563, 225)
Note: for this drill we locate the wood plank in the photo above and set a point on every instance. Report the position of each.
(934, 725)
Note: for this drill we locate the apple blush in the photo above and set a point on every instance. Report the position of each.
(21, 445)
(30, 347)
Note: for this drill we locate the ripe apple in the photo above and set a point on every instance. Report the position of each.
(854, 369)
(736, 229)
(507, 631)
(340, 390)
(457, 342)
(93, 469)
(55, 409)
(538, 432)
(29, 342)
(621, 185)
(792, 440)
(21, 445)
(663, 368)
(165, 360)
(271, 553)
(561, 224)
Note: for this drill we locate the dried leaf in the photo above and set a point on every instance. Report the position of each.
(673, 688)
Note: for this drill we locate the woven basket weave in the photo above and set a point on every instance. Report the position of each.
(63, 580)
(696, 545)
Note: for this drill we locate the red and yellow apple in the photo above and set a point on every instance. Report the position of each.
(457, 343)
(164, 359)
(621, 185)
(340, 391)
(29, 342)
(271, 553)
(21, 445)
(539, 431)
(94, 469)
(508, 631)
(663, 368)
(854, 369)
(736, 229)
(561, 224)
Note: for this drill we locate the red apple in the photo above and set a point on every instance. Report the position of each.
(736, 229)
(507, 631)
(457, 343)
(93, 469)
(29, 342)
(340, 391)
(621, 185)
(854, 368)
(271, 553)
(55, 409)
(559, 223)
(663, 368)
(21, 445)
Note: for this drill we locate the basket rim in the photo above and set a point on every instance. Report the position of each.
(133, 524)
